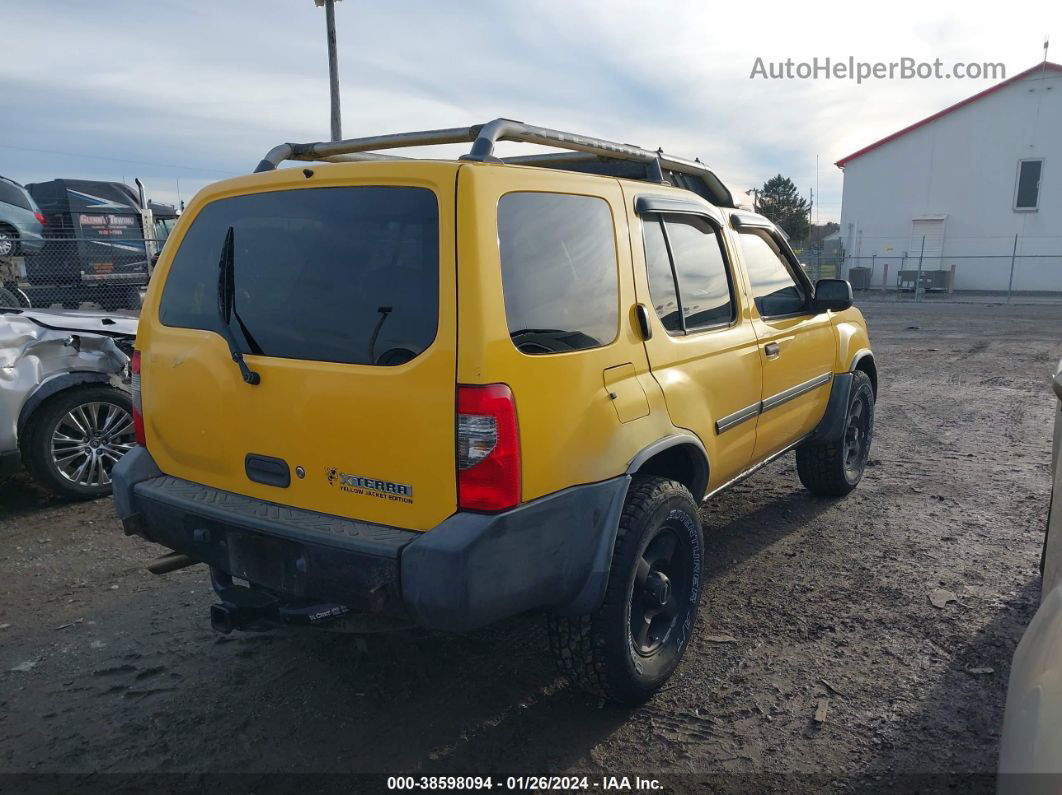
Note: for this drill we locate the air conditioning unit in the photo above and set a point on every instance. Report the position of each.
(859, 278)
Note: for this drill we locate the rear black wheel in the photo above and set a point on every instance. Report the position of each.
(631, 645)
(833, 469)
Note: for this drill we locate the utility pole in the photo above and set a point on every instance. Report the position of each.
(333, 65)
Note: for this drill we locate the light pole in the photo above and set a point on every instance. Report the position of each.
(333, 65)
(755, 194)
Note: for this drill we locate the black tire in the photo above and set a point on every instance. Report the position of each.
(22, 300)
(9, 245)
(41, 457)
(628, 648)
(9, 300)
(833, 469)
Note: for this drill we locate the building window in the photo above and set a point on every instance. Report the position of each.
(1027, 193)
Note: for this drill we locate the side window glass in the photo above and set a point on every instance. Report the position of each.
(700, 270)
(559, 273)
(774, 289)
(661, 277)
(688, 277)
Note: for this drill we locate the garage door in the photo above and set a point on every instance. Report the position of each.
(932, 230)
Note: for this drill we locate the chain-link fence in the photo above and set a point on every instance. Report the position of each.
(78, 273)
(111, 274)
(1027, 275)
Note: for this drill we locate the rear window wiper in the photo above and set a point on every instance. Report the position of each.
(227, 304)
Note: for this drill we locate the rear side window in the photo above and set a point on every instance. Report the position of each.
(774, 288)
(345, 275)
(559, 275)
(661, 277)
(13, 194)
(688, 276)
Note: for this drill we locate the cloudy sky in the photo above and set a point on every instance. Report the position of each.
(190, 91)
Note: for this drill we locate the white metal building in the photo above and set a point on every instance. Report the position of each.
(966, 180)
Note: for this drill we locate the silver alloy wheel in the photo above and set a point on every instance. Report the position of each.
(7, 243)
(88, 441)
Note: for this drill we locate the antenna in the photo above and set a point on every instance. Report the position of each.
(1043, 67)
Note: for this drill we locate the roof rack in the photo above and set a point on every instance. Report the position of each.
(593, 155)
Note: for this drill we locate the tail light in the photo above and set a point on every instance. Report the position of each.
(488, 448)
(138, 406)
(40, 218)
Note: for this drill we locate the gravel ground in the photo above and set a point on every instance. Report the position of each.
(810, 606)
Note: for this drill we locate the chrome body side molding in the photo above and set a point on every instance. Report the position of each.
(772, 402)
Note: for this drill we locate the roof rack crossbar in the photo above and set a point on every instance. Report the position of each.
(485, 136)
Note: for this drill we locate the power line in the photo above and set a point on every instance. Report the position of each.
(119, 160)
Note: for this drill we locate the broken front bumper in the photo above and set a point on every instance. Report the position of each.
(469, 571)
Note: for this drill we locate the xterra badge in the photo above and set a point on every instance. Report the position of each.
(370, 487)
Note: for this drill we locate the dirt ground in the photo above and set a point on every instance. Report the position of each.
(105, 668)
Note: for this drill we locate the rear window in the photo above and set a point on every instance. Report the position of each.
(13, 194)
(345, 275)
(558, 258)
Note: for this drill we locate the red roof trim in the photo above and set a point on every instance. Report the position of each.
(1054, 67)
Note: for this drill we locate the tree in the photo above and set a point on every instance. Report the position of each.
(819, 231)
(779, 200)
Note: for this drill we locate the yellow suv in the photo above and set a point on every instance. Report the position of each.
(459, 390)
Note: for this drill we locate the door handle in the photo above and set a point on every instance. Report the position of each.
(772, 349)
(641, 314)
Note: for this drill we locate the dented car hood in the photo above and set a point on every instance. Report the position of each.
(37, 346)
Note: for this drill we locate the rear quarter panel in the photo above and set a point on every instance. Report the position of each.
(570, 432)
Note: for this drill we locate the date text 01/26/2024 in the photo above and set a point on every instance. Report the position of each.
(524, 783)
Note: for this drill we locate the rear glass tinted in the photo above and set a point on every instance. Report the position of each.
(661, 277)
(685, 251)
(558, 258)
(704, 286)
(13, 194)
(330, 274)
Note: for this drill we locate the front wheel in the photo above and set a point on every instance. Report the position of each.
(76, 437)
(633, 642)
(833, 469)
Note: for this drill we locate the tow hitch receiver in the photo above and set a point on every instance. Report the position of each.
(257, 610)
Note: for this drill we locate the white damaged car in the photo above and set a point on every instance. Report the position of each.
(65, 407)
(1030, 759)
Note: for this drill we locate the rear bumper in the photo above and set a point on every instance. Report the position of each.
(469, 571)
(30, 241)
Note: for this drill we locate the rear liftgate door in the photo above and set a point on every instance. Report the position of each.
(343, 301)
